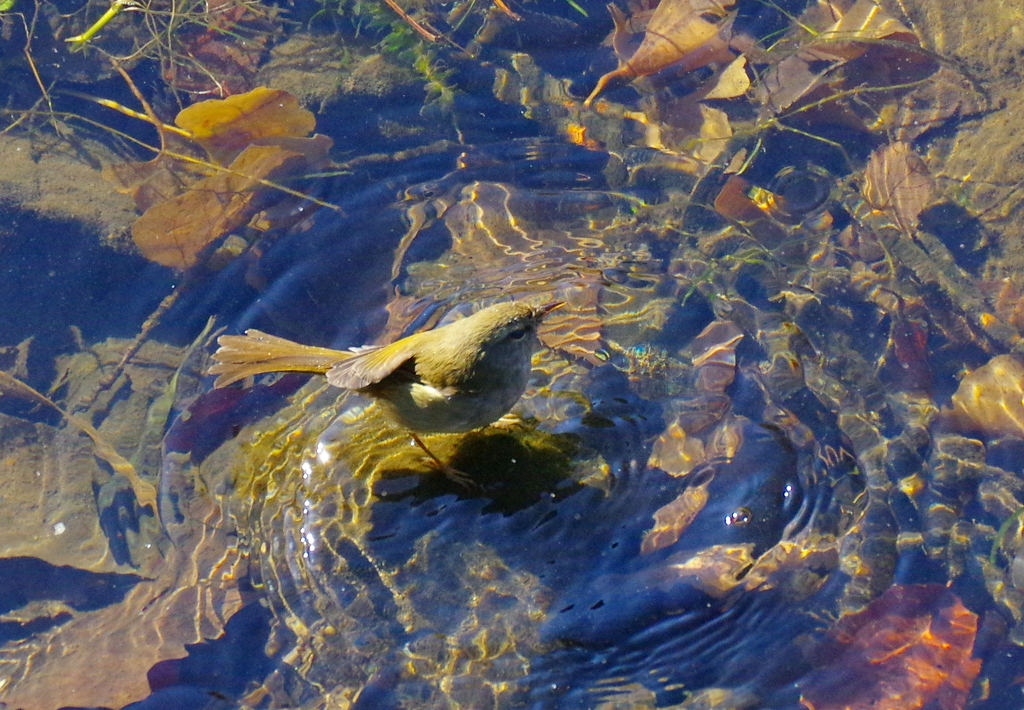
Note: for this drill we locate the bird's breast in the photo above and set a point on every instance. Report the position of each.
(424, 408)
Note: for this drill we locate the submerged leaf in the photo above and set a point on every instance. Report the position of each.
(864, 31)
(715, 132)
(224, 127)
(897, 181)
(671, 519)
(731, 82)
(261, 138)
(676, 453)
(676, 31)
(911, 648)
(153, 181)
(175, 231)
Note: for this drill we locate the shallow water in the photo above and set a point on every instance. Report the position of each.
(771, 453)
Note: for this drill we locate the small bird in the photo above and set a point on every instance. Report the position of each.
(461, 376)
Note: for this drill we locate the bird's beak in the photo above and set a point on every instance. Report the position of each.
(547, 308)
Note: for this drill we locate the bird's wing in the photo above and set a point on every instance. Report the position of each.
(370, 364)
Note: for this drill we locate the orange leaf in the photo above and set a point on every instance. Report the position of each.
(671, 519)
(224, 127)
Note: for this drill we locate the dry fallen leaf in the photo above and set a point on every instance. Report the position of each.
(677, 31)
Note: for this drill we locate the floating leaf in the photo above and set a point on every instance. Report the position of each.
(224, 127)
(991, 399)
(676, 31)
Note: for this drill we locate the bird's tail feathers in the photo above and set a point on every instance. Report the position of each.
(256, 353)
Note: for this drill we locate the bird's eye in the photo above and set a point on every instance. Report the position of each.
(518, 334)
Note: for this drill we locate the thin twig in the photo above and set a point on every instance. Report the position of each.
(428, 34)
(151, 322)
(157, 123)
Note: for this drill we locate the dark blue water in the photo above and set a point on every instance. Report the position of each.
(737, 480)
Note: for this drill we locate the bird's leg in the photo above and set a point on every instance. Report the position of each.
(450, 473)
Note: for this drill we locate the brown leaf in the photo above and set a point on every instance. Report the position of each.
(224, 127)
(262, 134)
(715, 361)
(731, 82)
(153, 181)
(675, 452)
(715, 132)
(676, 31)
(897, 181)
(734, 203)
(175, 231)
(866, 20)
(715, 570)
(799, 76)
